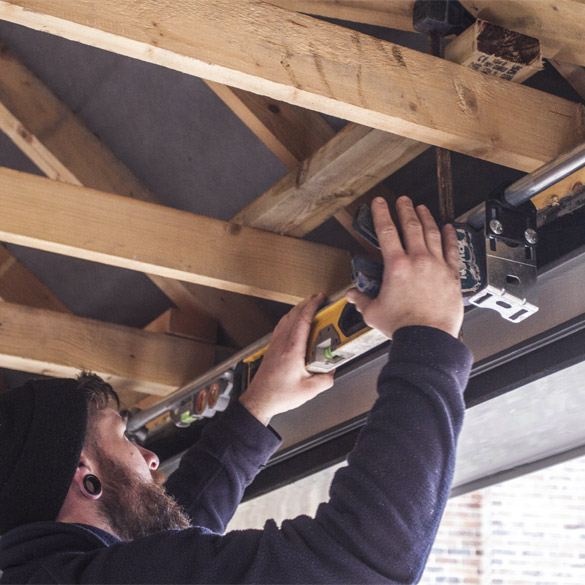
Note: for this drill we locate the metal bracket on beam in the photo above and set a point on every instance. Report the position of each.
(510, 261)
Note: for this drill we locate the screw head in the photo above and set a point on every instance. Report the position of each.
(531, 236)
(496, 227)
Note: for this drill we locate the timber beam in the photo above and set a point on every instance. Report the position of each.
(297, 59)
(54, 138)
(350, 164)
(19, 285)
(102, 227)
(56, 344)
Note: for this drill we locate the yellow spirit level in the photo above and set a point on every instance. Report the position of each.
(338, 334)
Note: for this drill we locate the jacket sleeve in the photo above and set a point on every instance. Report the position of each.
(384, 508)
(212, 476)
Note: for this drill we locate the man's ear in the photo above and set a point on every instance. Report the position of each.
(85, 478)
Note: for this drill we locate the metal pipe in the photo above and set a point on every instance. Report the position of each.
(545, 176)
(138, 420)
(532, 184)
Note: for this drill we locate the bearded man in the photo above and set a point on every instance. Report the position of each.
(80, 503)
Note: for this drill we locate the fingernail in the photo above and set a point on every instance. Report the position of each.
(379, 201)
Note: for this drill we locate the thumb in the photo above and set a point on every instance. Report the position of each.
(360, 300)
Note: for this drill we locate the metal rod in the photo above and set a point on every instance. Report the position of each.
(532, 184)
(138, 420)
(545, 176)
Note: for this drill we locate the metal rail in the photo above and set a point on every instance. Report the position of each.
(532, 184)
(137, 420)
(516, 194)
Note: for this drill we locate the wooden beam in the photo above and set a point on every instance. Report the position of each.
(574, 74)
(291, 133)
(19, 285)
(559, 24)
(56, 344)
(136, 235)
(277, 125)
(176, 322)
(54, 138)
(359, 158)
(297, 59)
(66, 150)
(350, 164)
(389, 13)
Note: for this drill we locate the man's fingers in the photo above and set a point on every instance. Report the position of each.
(305, 311)
(431, 232)
(412, 229)
(451, 248)
(386, 231)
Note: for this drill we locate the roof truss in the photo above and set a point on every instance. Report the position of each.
(399, 100)
(297, 59)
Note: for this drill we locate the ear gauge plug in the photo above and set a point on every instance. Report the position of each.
(93, 486)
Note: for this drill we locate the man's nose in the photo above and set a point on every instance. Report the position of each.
(151, 458)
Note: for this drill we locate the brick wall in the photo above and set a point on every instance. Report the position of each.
(528, 531)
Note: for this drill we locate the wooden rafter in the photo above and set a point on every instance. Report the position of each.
(56, 344)
(54, 138)
(559, 24)
(574, 74)
(142, 236)
(176, 322)
(298, 59)
(291, 133)
(350, 164)
(294, 135)
(19, 285)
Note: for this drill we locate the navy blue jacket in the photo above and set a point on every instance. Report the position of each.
(378, 526)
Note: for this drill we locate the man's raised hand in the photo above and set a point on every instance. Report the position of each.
(282, 382)
(421, 284)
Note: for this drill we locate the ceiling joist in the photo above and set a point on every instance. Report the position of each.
(54, 138)
(349, 165)
(291, 133)
(574, 75)
(56, 344)
(149, 238)
(298, 59)
(559, 24)
(19, 285)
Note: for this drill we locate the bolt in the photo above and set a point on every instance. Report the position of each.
(496, 227)
(531, 236)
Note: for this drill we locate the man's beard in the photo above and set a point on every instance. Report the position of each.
(134, 507)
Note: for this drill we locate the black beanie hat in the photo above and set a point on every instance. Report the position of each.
(42, 430)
